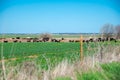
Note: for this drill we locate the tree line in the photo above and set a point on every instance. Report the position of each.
(108, 31)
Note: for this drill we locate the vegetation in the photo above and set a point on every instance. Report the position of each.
(26, 49)
(109, 71)
(15, 50)
(117, 31)
(60, 61)
(108, 31)
(46, 36)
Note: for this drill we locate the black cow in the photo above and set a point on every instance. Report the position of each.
(55, 40)
(113, 39)
(5, 41)
(15, 41)
(17, 37)
(71, 40)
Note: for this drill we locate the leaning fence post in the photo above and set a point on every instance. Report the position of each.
(81, 48)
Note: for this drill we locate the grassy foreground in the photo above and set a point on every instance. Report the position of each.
(60, 61)
(108, 71)
(29, 70)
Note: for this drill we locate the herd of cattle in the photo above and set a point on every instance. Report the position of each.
(28, 39)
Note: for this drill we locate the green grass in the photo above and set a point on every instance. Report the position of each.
(51, 54)
(14, 50)
(11, 50)
(25, 49)
(90, 76)
(111, 71)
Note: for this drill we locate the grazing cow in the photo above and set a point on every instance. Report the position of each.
(55, 40)
(28, 40)
(91, 40)
(99, 39)
(77, 40)
(52, 40)
(83, 41)
(87, 41)
(46, 39)
(15, 41)
(102, 40)
(62, 38)
(40, 40)
(17, 37)
(113, 39)
(5, 41)
(107, 39)
(71, 40)
(35, 40)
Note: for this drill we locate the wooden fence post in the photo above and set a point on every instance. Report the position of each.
(81, 48)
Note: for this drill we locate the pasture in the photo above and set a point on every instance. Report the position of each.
(49, 56)
(13, 50)
(55, 52)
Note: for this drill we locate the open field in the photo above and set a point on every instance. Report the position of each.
(58, 60)
(59, 39)
(11, 50)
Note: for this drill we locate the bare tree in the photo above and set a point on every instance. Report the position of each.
(117, 30)
(46, 36)
(107, 31)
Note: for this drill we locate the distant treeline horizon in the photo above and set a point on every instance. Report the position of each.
(42, 33)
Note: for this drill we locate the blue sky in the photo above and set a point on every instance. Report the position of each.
(57, 16)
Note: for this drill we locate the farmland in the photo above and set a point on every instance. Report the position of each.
(59, 39)
(11, 50)
(50, 55)
(53, 51)
(25, 49)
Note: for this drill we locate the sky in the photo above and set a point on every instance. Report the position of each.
(57, 16)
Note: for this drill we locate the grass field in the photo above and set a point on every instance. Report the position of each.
(11, 50)
(60, 61)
